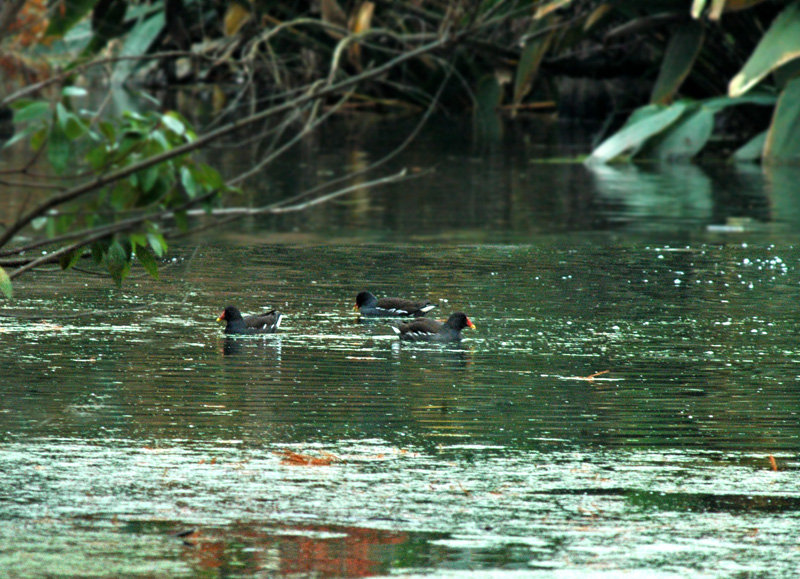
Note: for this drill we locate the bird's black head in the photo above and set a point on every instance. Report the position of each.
(230, 314)
(459, 321)
(364, 298)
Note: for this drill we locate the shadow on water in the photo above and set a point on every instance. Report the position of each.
(628, 403)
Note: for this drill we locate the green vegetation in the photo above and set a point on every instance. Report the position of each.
(721, 77)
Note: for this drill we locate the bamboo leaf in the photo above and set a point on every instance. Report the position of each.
(683, 48)
(157, 243)
(779, 45)
(5, 284)
(645, 123)
(783, 139)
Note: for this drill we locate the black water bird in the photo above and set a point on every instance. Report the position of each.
(370, 306)
(266, 323)
(425, 330)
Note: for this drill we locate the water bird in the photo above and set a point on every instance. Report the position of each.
(371, 306)
(266, 323)
(425, 330)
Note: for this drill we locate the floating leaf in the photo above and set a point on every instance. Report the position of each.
(779, 45)
(783, 138)
(5, 284)
(644, 123)
(683, 48)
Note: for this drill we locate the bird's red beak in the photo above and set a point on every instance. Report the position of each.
(221, 317)
(470, 324)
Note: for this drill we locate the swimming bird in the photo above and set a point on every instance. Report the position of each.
(262, 324)
(371, 306)
(425, 330)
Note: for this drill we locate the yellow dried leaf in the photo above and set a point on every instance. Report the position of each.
(362, 19)
(596, 16)
(552, 6)
(236, 16)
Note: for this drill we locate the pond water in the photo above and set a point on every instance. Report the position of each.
(628, 403)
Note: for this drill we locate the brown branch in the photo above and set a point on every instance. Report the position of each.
(316, 91)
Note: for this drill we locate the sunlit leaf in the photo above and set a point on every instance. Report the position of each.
(596, 16)
(779, 45)
(752, 149)
(5, 284)
(551, 6)
(359, 23)
(74, 91)
(683, 48)
(783, 138)
(157, 243)
(648, 121)
(173, 123)
(145, 256)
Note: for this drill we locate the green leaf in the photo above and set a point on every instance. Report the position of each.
(67, 14)
(752, 149)
(32, 112)
(683, 48)
(779, 45)
(74, 91)
(147, 178)
(137, 43)
(529, 62)
(189, 183)
(69, 122)
(157, 243)
(685, 138)
(58, 149)
(173, 123)
(118, 262)
(643, 124)
(148, 261)
(67, 260)
(783, 139)
(5, 284)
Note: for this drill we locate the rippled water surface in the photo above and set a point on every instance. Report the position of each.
(628, 403)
